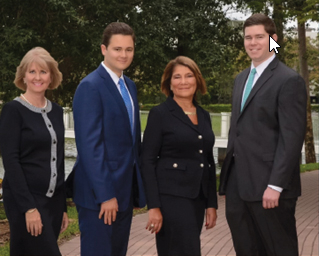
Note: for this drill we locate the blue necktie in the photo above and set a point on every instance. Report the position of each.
(127, 101)
(249, 86)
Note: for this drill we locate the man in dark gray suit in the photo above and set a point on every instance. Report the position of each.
(260, 176)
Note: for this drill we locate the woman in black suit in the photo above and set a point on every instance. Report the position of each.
(32, 147)
(177, 163)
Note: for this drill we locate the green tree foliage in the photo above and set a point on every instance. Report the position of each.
(197, 29)
(71, 31)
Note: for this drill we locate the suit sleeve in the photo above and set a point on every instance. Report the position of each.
(152, 141)
(88, 127)
(212, 193)
(292, 108)
(10, 133)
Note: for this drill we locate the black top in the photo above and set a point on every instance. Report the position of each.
(32, 147)
(177, 156)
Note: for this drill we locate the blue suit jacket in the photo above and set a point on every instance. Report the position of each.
(108, 154)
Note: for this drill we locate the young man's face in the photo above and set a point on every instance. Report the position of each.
(119, 54)
(256, 43)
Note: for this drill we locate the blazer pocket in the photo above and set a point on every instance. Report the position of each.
(269, 157)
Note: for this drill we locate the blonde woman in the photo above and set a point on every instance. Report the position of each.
(32, 147)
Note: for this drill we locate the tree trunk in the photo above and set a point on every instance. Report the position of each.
(309, 141)
(279, 19)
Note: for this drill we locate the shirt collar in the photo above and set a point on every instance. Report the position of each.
(260, 69)
(114, 76)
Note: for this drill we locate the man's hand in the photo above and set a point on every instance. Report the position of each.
(270, 198)
(109, 209)
(211, 217)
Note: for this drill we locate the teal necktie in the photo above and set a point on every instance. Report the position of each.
(249, 86)
(127, 101)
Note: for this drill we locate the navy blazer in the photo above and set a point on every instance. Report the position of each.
(108, 153)
(177, 156)
(266, 137)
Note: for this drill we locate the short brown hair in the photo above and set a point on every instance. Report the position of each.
(187, 62)
(116, 28)
(261, 19)
(43, 58)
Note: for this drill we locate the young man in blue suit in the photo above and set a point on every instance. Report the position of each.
(261, 175)
(107, 180)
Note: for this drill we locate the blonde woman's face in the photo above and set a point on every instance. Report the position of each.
(37, 79)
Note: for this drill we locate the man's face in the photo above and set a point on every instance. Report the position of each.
(256, 43)
(119, 53)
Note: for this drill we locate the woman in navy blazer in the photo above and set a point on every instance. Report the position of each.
(178, 167)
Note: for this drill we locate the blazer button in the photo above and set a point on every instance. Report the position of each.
(200, 151)
(200, 137)
(175, 165)
(202, 165)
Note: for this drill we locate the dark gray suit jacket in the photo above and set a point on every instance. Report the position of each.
(265, 139)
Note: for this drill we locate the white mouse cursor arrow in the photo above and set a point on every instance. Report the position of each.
(273, 44)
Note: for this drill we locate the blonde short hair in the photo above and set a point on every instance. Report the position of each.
(43, 58)
(189, 63)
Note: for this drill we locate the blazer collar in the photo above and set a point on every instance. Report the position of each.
(178, 112)
(268, 72)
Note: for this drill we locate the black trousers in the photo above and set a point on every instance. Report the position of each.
(258, 231)
(182, 224)
(21, 242)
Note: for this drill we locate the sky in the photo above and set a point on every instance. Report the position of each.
(233, 14)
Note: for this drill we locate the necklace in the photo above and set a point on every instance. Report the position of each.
(46, 101)
(190, 113)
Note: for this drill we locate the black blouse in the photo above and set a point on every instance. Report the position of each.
(32, 148)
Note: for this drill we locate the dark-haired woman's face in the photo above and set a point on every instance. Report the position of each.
(183, 82)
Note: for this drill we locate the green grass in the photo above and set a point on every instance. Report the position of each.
(2, 213)
(309, 167)
(73, 227)
(5, 249)
(143, 121)
(216, 124)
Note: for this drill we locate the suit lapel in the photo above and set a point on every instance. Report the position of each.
(177, 111)
(201, 119)
(114, 92)
(268, 72)
(240, 89)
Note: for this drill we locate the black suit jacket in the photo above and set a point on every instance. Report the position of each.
(265, 139)
(177, 156)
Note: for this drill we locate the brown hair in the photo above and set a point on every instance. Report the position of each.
(187, 62)
(43, 58)
(261, 19)
(116, 28)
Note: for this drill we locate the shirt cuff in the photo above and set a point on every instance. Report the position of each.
(279, 189)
